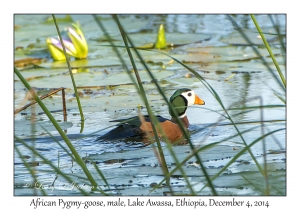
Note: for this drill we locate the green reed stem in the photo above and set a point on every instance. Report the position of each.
(215, 94)
(56, 169)
(174, 113)
(241, 153)
(217, 97)
(203, 148)
(73, 158)
(101, 175)
(117, 52)
(276, 26)
(58, 128)
(56, 141)
(71, 74)
(269, 49)
(33, 128)
(280, 83)
(125, 67)
(264, 147)
(258, 187)
(143, 94)
(31, 171)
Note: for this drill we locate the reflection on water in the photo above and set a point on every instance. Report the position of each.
(230, 67)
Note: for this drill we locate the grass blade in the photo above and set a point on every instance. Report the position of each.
(61, 132)
(71, 75)
(269, 49)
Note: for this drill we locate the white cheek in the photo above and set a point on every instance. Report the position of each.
(190, 99)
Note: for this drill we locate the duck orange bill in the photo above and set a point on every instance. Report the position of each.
(198, 100)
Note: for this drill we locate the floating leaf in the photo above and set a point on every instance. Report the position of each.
(66, 19)
(27, 61)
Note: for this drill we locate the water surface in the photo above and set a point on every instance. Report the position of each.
(210, 45)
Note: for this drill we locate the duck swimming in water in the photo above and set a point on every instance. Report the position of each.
(138, 128)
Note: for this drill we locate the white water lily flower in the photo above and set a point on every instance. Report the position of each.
(76, 46)
(79, 42)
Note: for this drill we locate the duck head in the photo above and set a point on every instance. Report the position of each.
(180, 100)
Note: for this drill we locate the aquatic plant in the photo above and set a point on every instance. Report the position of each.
(76, 45)
(266, 187)
(161, 41)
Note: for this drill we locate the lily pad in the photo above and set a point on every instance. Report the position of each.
(106, 93)
(84, 63)
(59, 19)
(27, 61)
(123, 77)
(237, 39)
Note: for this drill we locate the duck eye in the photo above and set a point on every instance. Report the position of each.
(189, 94)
